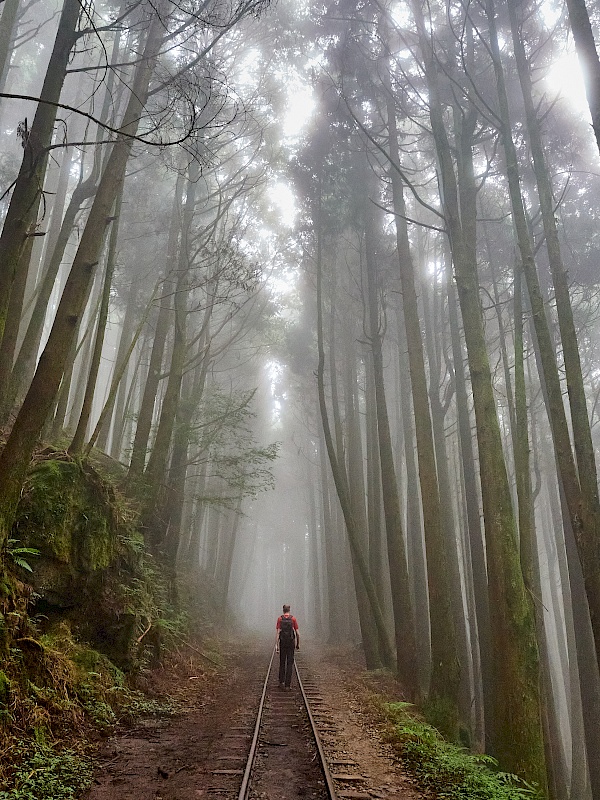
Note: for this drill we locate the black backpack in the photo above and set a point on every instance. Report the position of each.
(286, 631)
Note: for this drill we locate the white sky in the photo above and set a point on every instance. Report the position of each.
(300, 107)
(566, 79)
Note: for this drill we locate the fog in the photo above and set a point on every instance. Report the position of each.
(319, 282)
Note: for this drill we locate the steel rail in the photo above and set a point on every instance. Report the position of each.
(250, 762)
(313, 725)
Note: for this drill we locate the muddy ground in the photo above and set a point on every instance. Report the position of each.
(182, 757)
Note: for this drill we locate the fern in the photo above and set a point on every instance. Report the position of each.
(17, 554)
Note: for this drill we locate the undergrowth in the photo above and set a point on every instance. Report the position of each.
(53, 691)
(449, 770)
(86, 615)
(46, 771)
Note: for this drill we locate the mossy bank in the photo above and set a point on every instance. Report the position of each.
(85, 610)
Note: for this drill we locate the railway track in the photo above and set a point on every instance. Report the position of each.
(204, 751)
(276, 752)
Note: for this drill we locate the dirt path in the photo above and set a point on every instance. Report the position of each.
(170, 758)
(356, 740)
(199, 753)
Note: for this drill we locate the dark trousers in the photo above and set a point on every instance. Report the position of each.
(286, 663)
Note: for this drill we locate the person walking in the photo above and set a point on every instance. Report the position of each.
(287, 640)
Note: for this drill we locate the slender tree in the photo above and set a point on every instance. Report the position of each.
(30, 420)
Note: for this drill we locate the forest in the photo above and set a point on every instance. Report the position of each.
(298, 304)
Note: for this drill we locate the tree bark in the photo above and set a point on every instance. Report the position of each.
(582, 438)
(356, 485)
(518, 742)
(463, 694)
(7, 33)
(156, 471)
(445, 665)
(21, 216)
(404, 630)
(78, 440)
(337, 469)
(24, 366)
(146, 413)
(118, 416)
(588, 58)
(15, 457)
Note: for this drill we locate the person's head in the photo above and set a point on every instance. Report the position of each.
(286, 609)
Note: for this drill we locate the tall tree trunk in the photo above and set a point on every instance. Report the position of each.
(227, 558)
(404, 630)
(24, 366)
(478, 568)
(78, 440)
(589, 677)
(415, 546)
(61, 420)
(8, 22)
(314, 573)
(51, 237)
(530, 563)
(339, 476)
(191, 557)
(584, 508)
(454, 584)
(445, 665)
(584, 676)
(357, 496)
(176, 488)
(582, 438)
(13, 318)
(156, 470)
(22, 213)
(518, 741)
(377, 559)
(588, 58)
(122, 363)
(144, 422)
(117, 378)
(19, 447)
(327, 526)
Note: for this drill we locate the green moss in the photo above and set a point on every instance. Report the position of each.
(4, 689)
(66, 512)
(90, 661)
(441, 713)
(91, 593)
(48, 512)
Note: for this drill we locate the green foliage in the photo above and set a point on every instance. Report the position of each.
(17, 554)
(450, 771)
(47, 772)
(223, 433)
(140, 706)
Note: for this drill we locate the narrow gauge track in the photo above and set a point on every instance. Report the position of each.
(286, 759)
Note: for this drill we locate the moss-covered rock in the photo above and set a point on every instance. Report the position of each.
(66, 512)
(90, 565)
